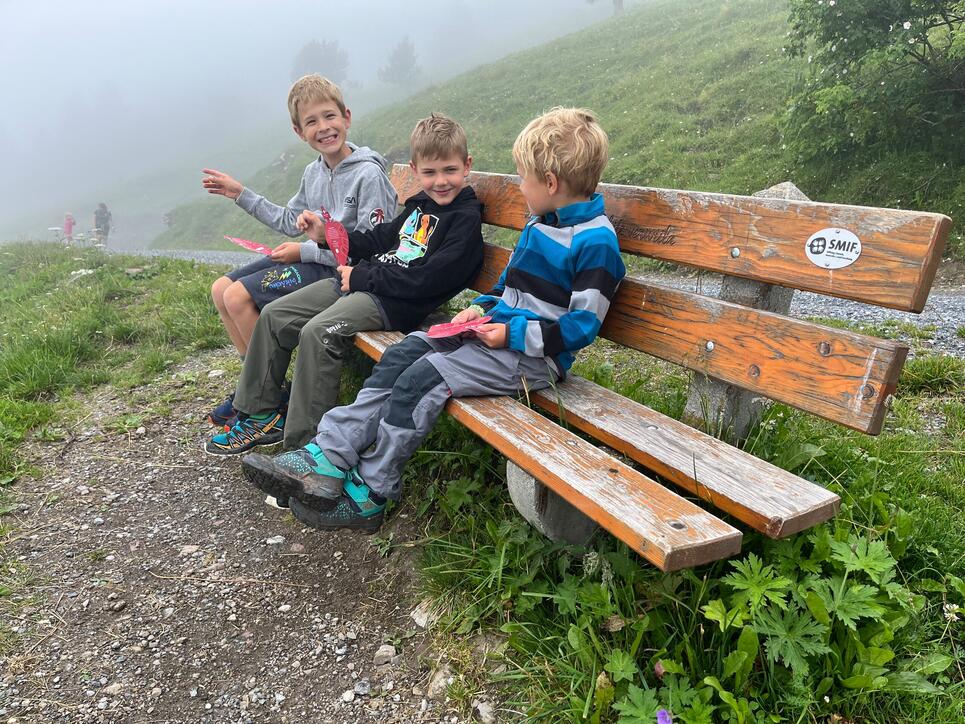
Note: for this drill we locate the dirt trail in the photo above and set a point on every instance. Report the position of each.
(165, 590)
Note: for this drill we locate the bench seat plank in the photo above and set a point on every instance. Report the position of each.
(838, 374)
(764, 496)
(669, 531)
(900, 249)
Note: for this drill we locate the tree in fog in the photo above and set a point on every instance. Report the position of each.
(617, 6)
(326, 58)
(401, 68)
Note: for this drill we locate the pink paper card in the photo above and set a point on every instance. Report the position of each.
(250, 245)
(449, 329)
(336, 236)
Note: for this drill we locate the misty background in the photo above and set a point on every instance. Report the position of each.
(124, 103)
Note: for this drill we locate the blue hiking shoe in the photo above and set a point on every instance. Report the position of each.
(304, 474)
(224, 415)
(357, 509)
(247, 433)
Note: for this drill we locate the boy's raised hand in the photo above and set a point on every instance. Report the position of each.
(216, 182)
(312, 225)
(287, 252)
(346, 272)
(494, 336)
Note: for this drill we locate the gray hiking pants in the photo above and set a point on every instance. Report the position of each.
(402, 398)
(321, 323)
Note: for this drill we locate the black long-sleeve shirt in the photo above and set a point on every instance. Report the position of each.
(422, 258)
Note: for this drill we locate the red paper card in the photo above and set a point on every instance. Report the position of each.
(336, 236)
(250, 245)
(450, 329)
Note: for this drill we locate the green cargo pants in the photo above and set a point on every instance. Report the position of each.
(322, 324)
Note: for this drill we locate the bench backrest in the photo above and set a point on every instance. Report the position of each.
(837, 374)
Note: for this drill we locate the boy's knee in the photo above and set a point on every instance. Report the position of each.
(218, 289)
(396, 360)
(316, 333)
(411, 387)
(236, 298)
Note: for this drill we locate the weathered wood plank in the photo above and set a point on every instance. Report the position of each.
(667, 530)
(837, 374)
(900, 250)
(764, 496)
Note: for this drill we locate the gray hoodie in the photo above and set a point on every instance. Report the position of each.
(356, 192)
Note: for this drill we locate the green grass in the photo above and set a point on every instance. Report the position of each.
(691, 93)
(74, 319)
(583, 629)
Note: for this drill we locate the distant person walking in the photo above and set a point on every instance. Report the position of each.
(102, 222)
(68, 228)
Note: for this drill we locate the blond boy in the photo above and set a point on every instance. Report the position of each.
(348, 180)
(549, 302)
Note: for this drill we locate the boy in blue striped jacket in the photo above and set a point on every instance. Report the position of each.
(549, 303)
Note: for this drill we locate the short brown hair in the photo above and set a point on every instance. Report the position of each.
(568, 142)
(312, 88)
(437, 137)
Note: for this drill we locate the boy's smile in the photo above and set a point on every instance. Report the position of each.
(325, 129)
(442, 178)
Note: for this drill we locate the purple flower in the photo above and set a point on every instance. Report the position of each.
(663, 717)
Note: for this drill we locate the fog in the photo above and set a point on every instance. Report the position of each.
(115, 101)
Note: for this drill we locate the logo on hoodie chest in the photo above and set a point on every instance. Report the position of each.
(413, 239)
(351, 201)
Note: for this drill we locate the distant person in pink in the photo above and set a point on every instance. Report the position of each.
(68, 227)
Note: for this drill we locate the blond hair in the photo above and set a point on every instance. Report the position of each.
(313, 88)
(567, 142)
(437, 137)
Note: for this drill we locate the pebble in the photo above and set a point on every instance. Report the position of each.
(275, 540)
(285, 608)
(362, 687)
(348, 696)
(119, 606)
(383, 655)
(216, 373)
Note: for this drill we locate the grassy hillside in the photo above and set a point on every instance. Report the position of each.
(690, 91)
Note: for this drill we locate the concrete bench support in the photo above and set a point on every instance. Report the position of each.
(546, 511)
(718, 408)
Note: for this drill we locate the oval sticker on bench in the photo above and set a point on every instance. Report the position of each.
(833, 248)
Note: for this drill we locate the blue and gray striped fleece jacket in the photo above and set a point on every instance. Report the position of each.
(557, 287)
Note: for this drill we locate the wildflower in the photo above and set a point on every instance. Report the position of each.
(827, 699)
(663, 717)
(659, 670)
(591, 563)
(951, 611)
(906, 25)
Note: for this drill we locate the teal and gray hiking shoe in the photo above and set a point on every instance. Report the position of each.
(305, 474)
(357, 509)
(247, 433)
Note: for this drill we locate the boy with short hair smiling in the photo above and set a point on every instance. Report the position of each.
(348, 180)
(549, 302)
(403, 270)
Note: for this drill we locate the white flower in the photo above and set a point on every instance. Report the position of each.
(831, 3)
(951, 611)
(906, 25)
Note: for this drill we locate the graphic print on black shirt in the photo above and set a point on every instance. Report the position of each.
(413, 239)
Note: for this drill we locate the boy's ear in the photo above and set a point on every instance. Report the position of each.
(552, 182)
(348, 118)
(468, 165)
(298, 132)
(412, 166)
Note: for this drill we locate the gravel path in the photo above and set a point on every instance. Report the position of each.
(162, 589)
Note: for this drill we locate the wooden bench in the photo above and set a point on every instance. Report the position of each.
(836, 374)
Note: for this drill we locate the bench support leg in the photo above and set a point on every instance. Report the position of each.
(719, 409)
(546, 511)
